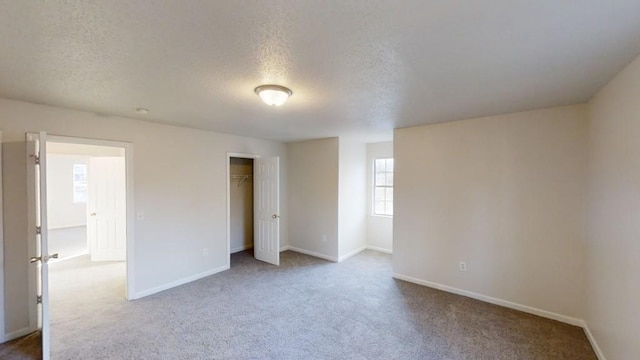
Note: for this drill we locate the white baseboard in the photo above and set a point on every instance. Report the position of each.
(495, 301)
(188, 279)
(67, 258)
(66, 226)
(285, 248)
(593, 342)
(313, 253)
(16, 334)
(379, 249)
(350, 254)
(241, 248)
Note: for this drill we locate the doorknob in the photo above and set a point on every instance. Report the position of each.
(44, 259)
(53, 256)
(275, 216)
(92, 214)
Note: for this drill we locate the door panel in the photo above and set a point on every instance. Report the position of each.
(267, 210)
(106, 207)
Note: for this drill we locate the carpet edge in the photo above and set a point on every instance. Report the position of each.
(488, 299)
(185, 280)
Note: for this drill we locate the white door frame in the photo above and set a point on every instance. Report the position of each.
(229, 156)
(2, 328)
(128, 156)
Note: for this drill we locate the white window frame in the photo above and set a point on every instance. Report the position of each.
(376, 186)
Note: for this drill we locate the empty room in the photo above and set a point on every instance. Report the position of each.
(305, 179)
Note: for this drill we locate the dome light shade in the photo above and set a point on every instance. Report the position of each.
(273, 95)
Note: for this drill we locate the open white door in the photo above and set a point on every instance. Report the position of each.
(106, 207)
(37, 182)
(267, 210)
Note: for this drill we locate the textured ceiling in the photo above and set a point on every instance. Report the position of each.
(357, 68)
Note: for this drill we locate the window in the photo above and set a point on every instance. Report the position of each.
(383, 187)
(79, 183)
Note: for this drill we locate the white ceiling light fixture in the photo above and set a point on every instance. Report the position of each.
(142, 111)
(273, 95)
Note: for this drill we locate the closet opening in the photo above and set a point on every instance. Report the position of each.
(241, 206)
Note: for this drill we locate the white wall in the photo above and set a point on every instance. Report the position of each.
(16, 268)
(352, 222)
(180, 185)
(379, 228)
(241, 207)
(613, 247)
(327, 197)
(67, 220)
(313, 197)
(506, 194)
(62, 211)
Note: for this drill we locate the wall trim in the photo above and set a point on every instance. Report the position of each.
(508, 304)
(188, 279)
(593, 342)
(241, 248)
(351, 253)
(379, 249)
(16, 334)
(313, 253)
(65, 226)
(285, 248)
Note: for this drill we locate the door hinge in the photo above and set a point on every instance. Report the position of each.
(39, 299)
(36, 159)
(38, 230)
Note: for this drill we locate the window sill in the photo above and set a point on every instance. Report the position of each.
(382, 216)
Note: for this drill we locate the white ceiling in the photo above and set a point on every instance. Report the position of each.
(357, 68)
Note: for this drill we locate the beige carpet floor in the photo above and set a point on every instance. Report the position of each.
(305, 309)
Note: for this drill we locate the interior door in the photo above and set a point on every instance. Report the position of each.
(37, 197)
(267, 210)
(106, 205)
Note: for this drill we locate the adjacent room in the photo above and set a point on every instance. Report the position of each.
(86, 198)
(319, 180)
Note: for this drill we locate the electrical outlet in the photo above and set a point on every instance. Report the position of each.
(463, 266)
(205, 252)
(324, 238)
(140, 215)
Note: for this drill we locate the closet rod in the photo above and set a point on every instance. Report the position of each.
(240, 178)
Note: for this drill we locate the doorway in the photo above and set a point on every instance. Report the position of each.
(264, 173)
(86, 207)
(98, 182)
(241, 204)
